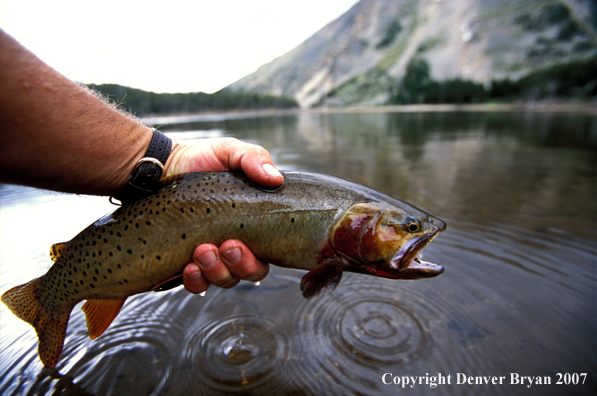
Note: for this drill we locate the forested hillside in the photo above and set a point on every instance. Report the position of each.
(143, 103)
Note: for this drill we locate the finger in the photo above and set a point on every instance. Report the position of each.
(241, 262)
(212, 267)
(254, 160)
(194, 282)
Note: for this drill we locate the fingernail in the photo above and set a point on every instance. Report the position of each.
(207, 259)
(233, 255)
(271, 170)
(195, 277)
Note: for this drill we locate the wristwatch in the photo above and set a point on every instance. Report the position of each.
(148, 171)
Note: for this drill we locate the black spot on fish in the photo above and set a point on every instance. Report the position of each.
(109, 271)
(126, 227)
(158, 257)
(207, 210)
(192, 210)
(181, 210)
(242, 225)
(119, 248)
(184, 236)
(119, 266)
(105, 240)
(118, 234)
(136, 225)
(129, 251)
(91, 285)
(148, 223)
(96, 271)
(110, 254)
(125, 281)
(95, 279)
(292, 220)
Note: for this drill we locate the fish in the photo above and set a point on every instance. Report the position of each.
(313, 222)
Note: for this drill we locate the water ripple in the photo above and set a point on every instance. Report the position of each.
(237, 353)
(142, 339)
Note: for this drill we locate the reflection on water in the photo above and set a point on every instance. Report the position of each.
(519, 293)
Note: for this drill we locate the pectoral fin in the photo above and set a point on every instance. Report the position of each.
(56, 250)
(323, 278)
(100, 313)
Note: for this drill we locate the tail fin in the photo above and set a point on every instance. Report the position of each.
(24, 302)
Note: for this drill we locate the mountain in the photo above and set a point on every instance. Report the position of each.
(358, 58)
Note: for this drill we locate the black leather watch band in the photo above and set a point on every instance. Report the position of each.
(148, 171)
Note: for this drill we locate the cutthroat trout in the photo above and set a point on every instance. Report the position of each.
(313, 222)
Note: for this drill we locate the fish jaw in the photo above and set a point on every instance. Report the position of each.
(408, 261)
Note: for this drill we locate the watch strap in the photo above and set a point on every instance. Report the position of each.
(148, 171)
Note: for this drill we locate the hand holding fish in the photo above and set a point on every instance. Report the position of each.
(57, 135)
(232, 261)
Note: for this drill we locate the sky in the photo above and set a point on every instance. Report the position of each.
(164, 46)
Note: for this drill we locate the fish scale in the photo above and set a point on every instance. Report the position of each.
(313, 222)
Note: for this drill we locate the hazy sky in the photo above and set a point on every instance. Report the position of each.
(164, 46)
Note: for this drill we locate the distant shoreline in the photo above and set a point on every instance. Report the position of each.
(584, 108)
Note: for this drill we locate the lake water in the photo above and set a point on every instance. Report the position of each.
(518, 296)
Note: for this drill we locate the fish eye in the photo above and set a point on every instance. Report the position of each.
(413, 225)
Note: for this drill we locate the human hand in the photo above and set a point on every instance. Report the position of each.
(226, 265)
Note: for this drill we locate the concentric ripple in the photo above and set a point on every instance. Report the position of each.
(361, 329)
(141, 340)
(376, 331)
(234, 354)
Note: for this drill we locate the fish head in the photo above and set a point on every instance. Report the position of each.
(386, 240)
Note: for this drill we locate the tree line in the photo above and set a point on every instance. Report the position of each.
(575, 80)
(142, 103)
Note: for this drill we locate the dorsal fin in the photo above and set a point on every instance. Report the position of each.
(56, 250)
(100, 312)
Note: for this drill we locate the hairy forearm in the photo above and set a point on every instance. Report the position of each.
(57, 135)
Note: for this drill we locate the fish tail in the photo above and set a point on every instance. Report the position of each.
(25, 303)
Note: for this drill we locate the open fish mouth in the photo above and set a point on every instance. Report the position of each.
(409, 263)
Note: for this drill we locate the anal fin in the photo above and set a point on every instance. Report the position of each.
(323, 278)
(100, 312)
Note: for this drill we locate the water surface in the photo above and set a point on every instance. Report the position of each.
(519, 293)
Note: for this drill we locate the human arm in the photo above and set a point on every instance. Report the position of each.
(57, 135)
